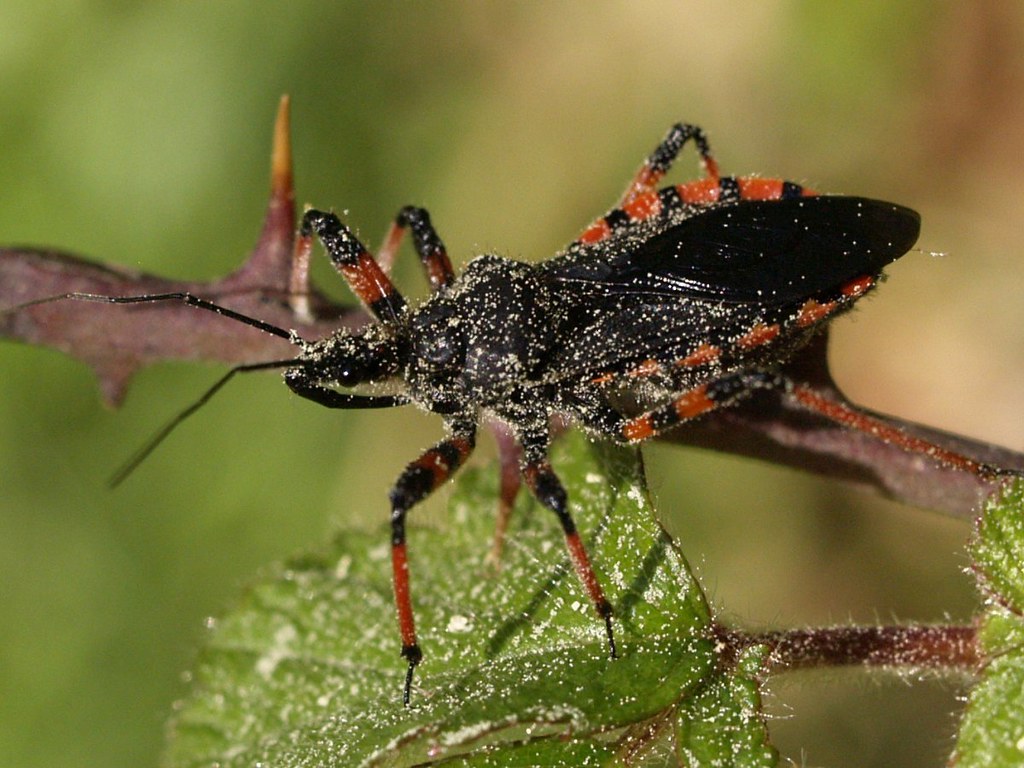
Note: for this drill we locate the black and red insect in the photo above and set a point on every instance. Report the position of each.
(677, 302)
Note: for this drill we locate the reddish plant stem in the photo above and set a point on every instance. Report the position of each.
(949, 647)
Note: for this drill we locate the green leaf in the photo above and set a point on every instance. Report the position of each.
(724, 718)
(992, 729)
(306, 670)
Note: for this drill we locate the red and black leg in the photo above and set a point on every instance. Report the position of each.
(731, 388)
(426, 241)
(660, 161)
(642, 199)
(851, 417)
(350, 257)
(548, 489)
(696, 402)
(418, 480)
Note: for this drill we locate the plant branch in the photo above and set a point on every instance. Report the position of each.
(914, 647)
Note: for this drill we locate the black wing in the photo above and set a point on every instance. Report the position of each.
(754, 251)
(657, 293)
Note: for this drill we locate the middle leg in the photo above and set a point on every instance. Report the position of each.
(548, 489)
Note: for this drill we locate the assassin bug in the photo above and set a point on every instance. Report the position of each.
(677, 302)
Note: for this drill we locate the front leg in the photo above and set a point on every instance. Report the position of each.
(418, 480)
(426, 241)
(355, 263)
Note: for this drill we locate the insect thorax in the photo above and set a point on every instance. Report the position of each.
(483, 342)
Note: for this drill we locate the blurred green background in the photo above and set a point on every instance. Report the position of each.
(139, 133)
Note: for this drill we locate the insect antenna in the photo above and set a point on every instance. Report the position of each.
(191, 300)
(183, 296)
(161, 434)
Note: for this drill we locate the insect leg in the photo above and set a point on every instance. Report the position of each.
(642, 199)
(549, 491)
(354, 262)
(729, 389)
(428, 245)
(851, 417)
(298, 277)
(509, 458)
(418, 480)
(660, 160)
(697, 401)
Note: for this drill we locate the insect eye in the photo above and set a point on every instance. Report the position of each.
(349, 373)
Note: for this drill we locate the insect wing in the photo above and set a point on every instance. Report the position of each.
(753, 251)
(711, 276)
